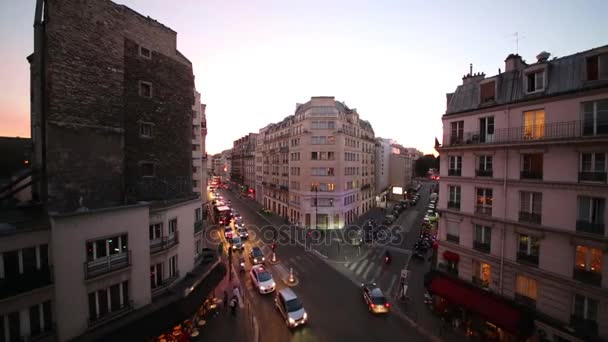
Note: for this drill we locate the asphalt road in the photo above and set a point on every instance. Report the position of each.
(332, 300)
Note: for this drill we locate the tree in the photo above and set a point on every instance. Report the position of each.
(424, 163)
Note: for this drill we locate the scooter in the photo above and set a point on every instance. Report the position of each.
(241, 264)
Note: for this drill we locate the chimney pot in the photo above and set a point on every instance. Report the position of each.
(543, 56)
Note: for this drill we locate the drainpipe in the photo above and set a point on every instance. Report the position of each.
(504, 214)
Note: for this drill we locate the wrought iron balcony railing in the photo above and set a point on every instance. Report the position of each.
(111, 263)
(482, 210)
(588, 176)
(589, 227)
(454, 205)
(164, 243)
(454, 172)
(529, 259)
(484, 173)
(530, 175)
(587, 277)
(14, 285)
(528, 217)
(481, 246)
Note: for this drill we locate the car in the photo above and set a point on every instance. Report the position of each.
(243, 233)
(414, 201)
(228, 232)
(430, 212)
(236, 214)
(237, 243)
(374, 299)
(239, 222)
(389, 219)
(290, 307)
(262, 279)
(432, 206)
(229, 202)
(256, 256)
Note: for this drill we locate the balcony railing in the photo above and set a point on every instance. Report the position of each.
(164, 284)
(453, 205)
(284, 187)
(198, 226)
(14, 285)
(484, 173)
(547, 132)
(110, 315)
(481, 246)
(587, 277)
(284, 149)
(525, 300)
(481, 210)
(585, 327)
(480, 282)
(588, 176)
(527, 217)
(529, 259)
(107, 264)
(365, 186)
(530, 175)
(588, 227)
(285, 174)
(164, 243)
(452, 238)
(454, 172)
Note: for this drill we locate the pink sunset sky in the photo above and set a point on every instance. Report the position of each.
(392, 60)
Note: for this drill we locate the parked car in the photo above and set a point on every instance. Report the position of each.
(389, 219)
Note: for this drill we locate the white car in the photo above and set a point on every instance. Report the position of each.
(262, 279)
(290, 308)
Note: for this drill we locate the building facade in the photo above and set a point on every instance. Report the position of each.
(243, 161)
(400, 168)
(382, 163)
(112, 221)
(523, 184)
(199, 133)
(394, 167)
(316, 167)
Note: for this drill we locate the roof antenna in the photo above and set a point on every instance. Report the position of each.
(471, 69)
(517, 38)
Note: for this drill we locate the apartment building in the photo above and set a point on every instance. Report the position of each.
(316, 167)
(382, 163)
(199, 156)
(243, 161)
(523, 218)
(112, 222)
(401, 167)
(394, 168)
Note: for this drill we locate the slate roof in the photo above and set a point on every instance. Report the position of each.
(564, 75)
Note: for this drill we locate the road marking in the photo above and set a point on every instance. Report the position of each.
(360, 268)
(378, 270)
(369, 268)
(347, 264)
(353, 265)
(392, 283)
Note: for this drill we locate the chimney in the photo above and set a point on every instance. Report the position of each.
(514, 62)
(542, 57)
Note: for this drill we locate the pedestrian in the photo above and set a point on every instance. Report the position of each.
(233, 302)
(236, 292)
(225, 299)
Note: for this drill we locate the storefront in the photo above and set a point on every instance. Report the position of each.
(477, 313)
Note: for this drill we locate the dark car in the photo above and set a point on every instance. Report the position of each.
(257, 256)
(389, 219)
(374, 299)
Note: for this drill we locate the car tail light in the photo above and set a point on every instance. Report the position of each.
(388, 305)
(372, 306)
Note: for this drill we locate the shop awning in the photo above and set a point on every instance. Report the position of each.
(488, 306)
(451, 256)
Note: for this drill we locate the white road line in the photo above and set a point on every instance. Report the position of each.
(347, 264)
(369, 268)
(360, 268)
(392, 283)
(378, 270)
(353, 265)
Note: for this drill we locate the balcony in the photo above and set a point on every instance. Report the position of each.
(284, 149)
(284, 187)
(198, 226)
(585, 327)
(365, 186)
(525, 300)
(164, 243)
(164, 284)
(587, 176)
(101, 266)
(454, 172)
(527, 217)
(482, 210)
(25, 282)
(587, 277)
(111, 315)
(588, 227)
(528, 259)
(530, 175)
(452, 238)
(285, 174)
(539, 133)
(454, 205)
(481, 246)
(484, 173)
(480, 282)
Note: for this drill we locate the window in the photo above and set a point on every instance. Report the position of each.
(156, 275)
(155, 231)
(526, 290)
(484, 168)
(487, 91)
(534, 124)
(144, 52)
(481, 273)
(145, 89)
(454, 197)
(173, 266)
(40, 319)
(528, 249)
(172, 226)
(484, 201)
(295, 171)
(486, 129)
(198, 214)
(535, 81)
(457, 132)
(146, 130)
(591, 215)
(595, 117)
(102, 248)
(588, 259)
(105, 301)
(597, 67)
(530, 207)
(585, 307)
(146, 169)
(322, 171)
(593, 167)
(455, 167)
(453, 232)
(532, 166)
(483, 238)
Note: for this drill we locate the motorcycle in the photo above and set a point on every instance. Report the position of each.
(241, 264)
(387, 258)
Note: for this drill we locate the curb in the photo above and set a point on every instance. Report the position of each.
(256, 330)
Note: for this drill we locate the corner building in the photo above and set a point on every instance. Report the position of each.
(524, 191)
(316, 167)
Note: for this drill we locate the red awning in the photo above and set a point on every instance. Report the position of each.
(485, 305)
(451, 256)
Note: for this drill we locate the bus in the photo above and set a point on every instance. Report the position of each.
(223, 214)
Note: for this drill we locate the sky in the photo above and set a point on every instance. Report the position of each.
(392, 60)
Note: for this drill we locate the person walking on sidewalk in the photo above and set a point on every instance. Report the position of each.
(226, 299)
(233, 304)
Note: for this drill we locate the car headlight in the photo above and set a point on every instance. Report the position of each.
(255, 259)
(305, 316)
(262, 288)
(263, 259)
(273, 284)
(291, 321)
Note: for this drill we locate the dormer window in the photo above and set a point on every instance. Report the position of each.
(535, 81)
(597, 67)
(487, 91)
(145, 53)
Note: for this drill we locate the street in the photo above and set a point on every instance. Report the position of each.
(332, 299)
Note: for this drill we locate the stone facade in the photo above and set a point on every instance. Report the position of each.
(243, 166)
